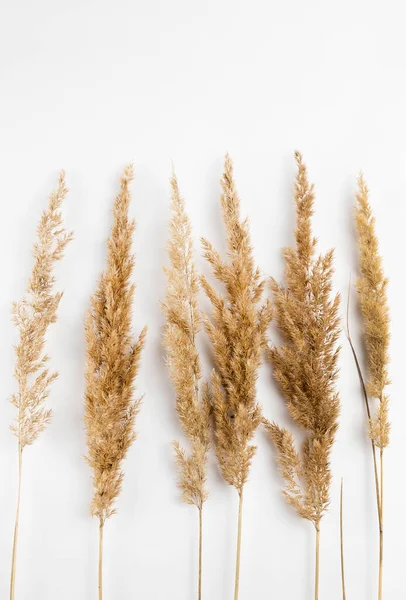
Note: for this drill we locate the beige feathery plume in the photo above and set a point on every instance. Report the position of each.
(32, 317)
(237, 331)
(182, 326)
(112, 363)
(305, 366)
(372, 293)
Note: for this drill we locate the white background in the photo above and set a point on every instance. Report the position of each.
(90, 85)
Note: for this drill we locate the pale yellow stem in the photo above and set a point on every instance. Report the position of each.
(378, 477)
(317, 569)
(199, 593)
(238, 557)
(101, 530)
(342, 542)
(373, 447)
(17, 520)
(380, 587)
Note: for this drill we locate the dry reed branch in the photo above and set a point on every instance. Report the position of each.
(305, 366)
(32, 317)
(237, 331)
(367, 407)
(372, 293)
(112, 363)
(183, 323)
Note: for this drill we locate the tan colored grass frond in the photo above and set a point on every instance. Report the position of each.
(112, 361)
(32, 317)
(305, 365)
(183, 323)
(290, 464)
(237, 331)
(372, 292)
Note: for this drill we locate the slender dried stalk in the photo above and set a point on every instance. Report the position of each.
(342, 542)
(182, 326)
(372, 293)
(238, 554)
(32, 317)
(112, 363)
(237, 331)
(380, 582)
(100, 574)
(200, 575)
(368, 411)
(317, 563)
(305, 366)
(16, 526)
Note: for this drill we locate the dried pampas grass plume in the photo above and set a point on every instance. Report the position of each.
(32, 317)
(372, 293)
(112, 363)
(183, 323)
(237, 331)
(305, 366)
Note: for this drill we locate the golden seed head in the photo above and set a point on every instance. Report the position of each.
(372, 293)
(112, 361)
(237, 331)
(305, 365)
(181, 328)
(32, 317)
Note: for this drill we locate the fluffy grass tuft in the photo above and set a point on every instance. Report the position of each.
(112, 363)
(32, 316)
(183, 323)
(237, 331)
(305, 365)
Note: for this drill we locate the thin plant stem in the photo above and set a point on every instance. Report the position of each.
(317, 567)
(378, 477)
(17, 521)
(365, 395)
(381, 531)
(342, 541)
(101, 531)
(238, 557)
(199, 593)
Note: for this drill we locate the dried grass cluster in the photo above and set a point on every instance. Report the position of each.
(112, 363)
(237, 331)
(372, 293)
(183, 324)
(305, 365)
(32, 315)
